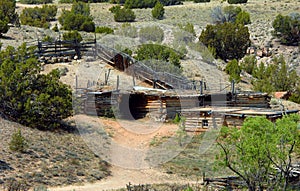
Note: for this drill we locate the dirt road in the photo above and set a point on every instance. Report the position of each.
(120, 177)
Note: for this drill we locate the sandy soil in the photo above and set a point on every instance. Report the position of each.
(120, 177)
(136, 135)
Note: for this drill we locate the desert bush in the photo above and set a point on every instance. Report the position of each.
(229, 40)
(295, 97)
(287, 28)
(78, 18)
(15, 185)
(158, 52)
(86, 1)
(182, 37)
(7, 15)
(127, 30)
(35, 1)
(171, 2)
(234, 70)
(132, 4)
(231, 14)
(188, 27)
(3, 27)
(236, 1)
(207, 53)
(18, 142)
(275, 77)
(38, 17)
(158, 11)
(123, 14)
(88, 26)
(28, 97)
(243, 18)
(151, 33)
(72, 35)
(163, 66)
(104, 29)
(201, 1)
(249, 64)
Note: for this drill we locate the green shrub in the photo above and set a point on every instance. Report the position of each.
(7, 15)
(275, 77)
(124, 15)
(86, 1)
(237, 1)
(188, 27)
(151, 33)
(104, 29)
(88, 26)
(229, 40)
(29, 97)
(171, 2)
(140, 3)
(3, 27)
(186, 35)
(38, 17)
(35, 1)
(18, 142)
(78, 18)
(176, 119)
(287, 28)
(158, 52)
(234, 70)
(249, 64)
(132, 4)
(72, 35)
(295, 97)
(201, 1)
(158, 11)
(231, 14)
(114, 9)
(243, 18)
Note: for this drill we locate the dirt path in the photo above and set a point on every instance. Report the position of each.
(120, 177)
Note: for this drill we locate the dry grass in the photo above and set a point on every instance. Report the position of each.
(52, 158)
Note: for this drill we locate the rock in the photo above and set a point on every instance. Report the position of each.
(259, 53)
(80, 173)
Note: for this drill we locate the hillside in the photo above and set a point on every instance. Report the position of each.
(52, 158)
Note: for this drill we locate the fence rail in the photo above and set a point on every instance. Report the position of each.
(138, 69)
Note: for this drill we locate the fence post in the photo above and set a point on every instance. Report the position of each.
(118, 81)
(201, 87)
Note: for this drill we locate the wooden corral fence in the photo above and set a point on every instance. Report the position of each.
(64, 48)
(126, 63)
